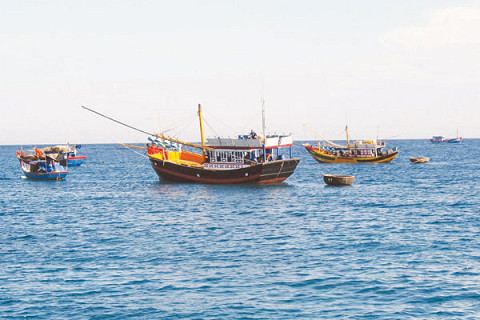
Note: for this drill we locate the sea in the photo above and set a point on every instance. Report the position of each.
(112, 241)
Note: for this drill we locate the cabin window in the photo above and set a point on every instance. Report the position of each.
(238, 157)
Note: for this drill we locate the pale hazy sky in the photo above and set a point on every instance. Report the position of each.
(407, 69)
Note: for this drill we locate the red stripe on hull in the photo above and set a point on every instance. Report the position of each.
(278, 180)
(272, 172)
(207, 180)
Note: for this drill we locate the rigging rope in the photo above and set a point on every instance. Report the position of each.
(246, 127)
(183, 128)
(135, 167)
(131, 149)
(181, 123)
(211, 128)
(229, 127)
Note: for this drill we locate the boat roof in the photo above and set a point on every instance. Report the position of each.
(56, 149)
(275, 141)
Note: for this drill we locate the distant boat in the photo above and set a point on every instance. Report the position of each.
(362, 151)
(68, 151)
(419, 159)
(38, 166)
(338, 180)
(440, 139)
(455, 140)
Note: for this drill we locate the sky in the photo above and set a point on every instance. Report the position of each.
(393, 69)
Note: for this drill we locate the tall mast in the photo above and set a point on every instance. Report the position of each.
(263, 131)
(263, 120)
(201, 129)
(346, 130)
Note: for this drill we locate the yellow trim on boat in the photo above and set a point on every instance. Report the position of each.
(174, 157)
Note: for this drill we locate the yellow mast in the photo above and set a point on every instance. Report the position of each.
(348, 138)
(201, 129)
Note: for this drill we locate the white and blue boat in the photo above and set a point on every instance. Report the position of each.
(41, 167)
(68, 152)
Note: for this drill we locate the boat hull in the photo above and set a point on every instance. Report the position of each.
(457, 140)
(338, 180)
(419, 159)
(322, 157)
(266, 173)
(75, 161)
(55, 175)
(452, 140)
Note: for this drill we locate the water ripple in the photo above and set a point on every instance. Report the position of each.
(400, 243)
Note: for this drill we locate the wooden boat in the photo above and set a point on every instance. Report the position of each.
(41, 167)
(419, 159)
(246, 159)
(362, 151)
(338, 180)
(224, 160)
(69, 153)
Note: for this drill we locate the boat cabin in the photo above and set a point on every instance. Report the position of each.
(226, 153)
(438, 139)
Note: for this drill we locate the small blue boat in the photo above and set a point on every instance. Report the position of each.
(36, 167)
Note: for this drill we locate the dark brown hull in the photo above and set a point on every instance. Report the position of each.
(338, 180)
(270, 172)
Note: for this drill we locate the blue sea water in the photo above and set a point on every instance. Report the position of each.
(113, 242)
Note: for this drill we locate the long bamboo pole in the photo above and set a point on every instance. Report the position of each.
(149, 133)
(322, 138)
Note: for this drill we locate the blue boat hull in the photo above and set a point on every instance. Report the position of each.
(76, 161)
(54, 175)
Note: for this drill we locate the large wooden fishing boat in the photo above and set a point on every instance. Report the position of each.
(246, 159)
(362, 151)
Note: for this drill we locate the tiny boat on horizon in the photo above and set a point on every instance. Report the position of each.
(440, 139)
(362, 151)
(38, 166)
